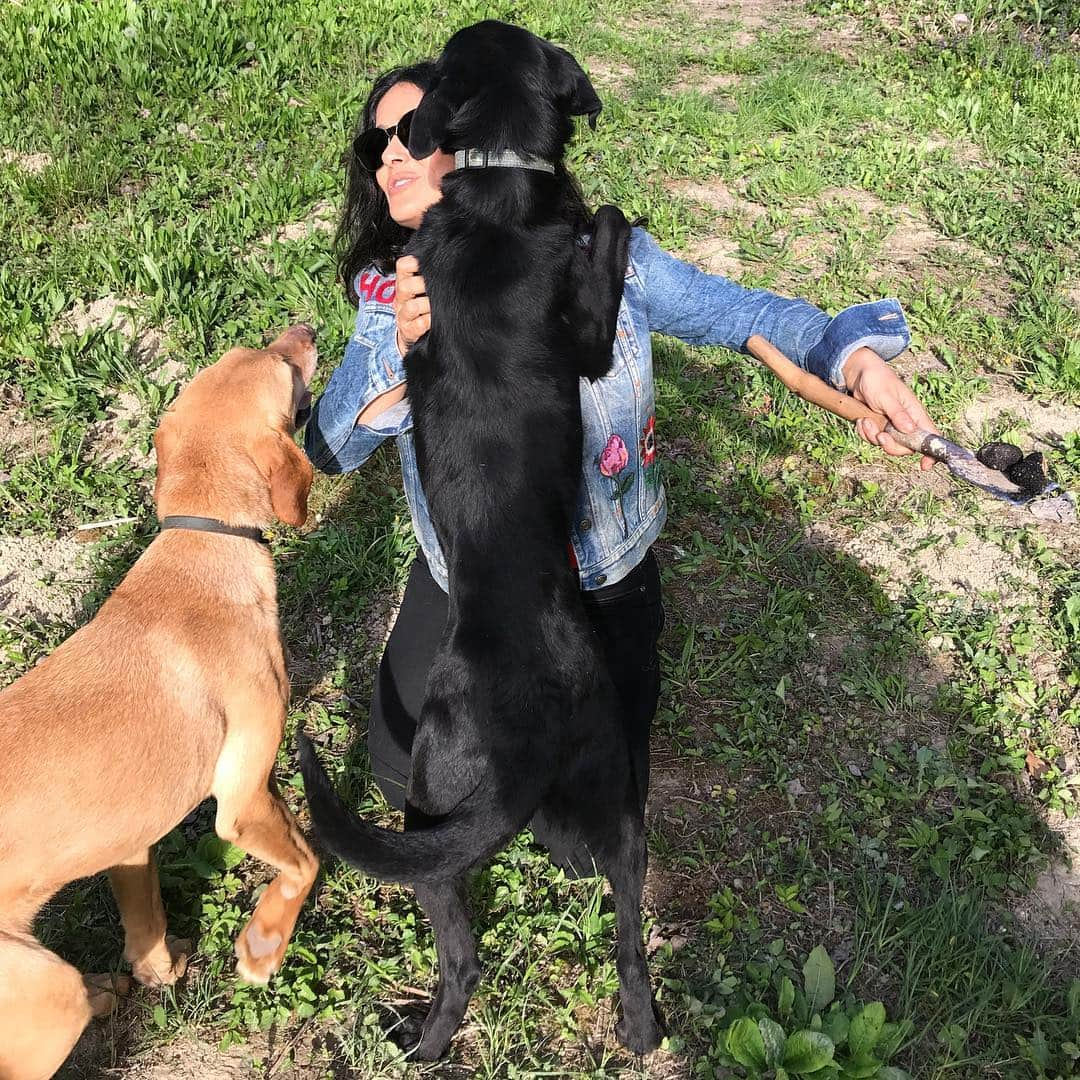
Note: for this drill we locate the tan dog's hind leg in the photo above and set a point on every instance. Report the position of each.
(44, 1006)
(253, 816)
(155, 959)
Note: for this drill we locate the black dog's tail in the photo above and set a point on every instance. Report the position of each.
(422, 856)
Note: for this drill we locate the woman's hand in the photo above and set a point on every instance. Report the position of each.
(412, 309)
(874, 383)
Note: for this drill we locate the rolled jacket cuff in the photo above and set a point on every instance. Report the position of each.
(879, 325)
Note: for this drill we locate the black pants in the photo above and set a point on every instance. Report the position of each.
(626, 617)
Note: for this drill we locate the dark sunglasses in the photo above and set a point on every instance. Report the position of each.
(369, 146)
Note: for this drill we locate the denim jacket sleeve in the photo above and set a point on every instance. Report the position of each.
(703, 309)
(333, 440)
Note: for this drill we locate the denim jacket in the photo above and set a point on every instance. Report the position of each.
(621, 507)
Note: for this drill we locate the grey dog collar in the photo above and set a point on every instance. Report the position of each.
(505, 159)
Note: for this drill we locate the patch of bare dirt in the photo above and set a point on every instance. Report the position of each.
(716, 195)
(1051, 911)
(698, 80)
(1072, 294)
(27, 163)
(322, 218)
(19, 435)
(41, 579)
(916, 361)
(189, 1059)
(864, 201)
(951, 558)
(123, 433)
(1046, 423)
(109, 312)
(914, 251)
(608, 74)
(846, 40)
(753, 16)
(897, 481)
(717, 255)
(959, 148)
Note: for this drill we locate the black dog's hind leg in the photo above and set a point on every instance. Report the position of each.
(637, 1028)
(597, 288)
(596, 800)
(459, 968)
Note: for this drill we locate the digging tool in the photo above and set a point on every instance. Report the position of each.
(962, 463)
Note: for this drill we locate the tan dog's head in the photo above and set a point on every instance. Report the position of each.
(225, 447)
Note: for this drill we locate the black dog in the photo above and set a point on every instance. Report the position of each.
(520, 716)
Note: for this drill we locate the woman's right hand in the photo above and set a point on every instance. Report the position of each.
(412, 309)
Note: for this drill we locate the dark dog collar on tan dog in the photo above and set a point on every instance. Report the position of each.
(503, 159)
(212, 525)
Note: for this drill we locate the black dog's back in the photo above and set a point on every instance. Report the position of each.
(495, 393)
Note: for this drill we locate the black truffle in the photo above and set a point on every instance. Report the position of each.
(1029, 474)
(999, 455)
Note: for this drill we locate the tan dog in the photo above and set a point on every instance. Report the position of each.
(175, 691)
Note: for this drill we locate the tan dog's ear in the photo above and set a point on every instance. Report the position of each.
(290, 475)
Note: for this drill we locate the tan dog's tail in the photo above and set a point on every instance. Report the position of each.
(473, 832)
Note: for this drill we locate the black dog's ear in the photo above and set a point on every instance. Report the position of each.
(429, 124)
(575, 92)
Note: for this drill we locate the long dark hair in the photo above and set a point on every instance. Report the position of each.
(367, 235)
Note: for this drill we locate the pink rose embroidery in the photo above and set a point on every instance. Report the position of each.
(614, 457)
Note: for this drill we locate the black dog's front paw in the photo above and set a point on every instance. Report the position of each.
(611, 236)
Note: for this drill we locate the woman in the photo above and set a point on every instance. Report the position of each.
(621, 507)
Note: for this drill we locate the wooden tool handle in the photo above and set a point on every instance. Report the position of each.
(818, 392)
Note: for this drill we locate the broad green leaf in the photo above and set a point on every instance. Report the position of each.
(862, 1070)
(890, 1072)
(159, 1016)
(865, 1029)
(787, 997)
(836, 1025)
(772, 1035)
(1040, 1052)
(807, 1051)
(892, 1038)
(745, 1045)
(819, 980)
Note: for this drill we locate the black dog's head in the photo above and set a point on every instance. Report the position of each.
(499, 87)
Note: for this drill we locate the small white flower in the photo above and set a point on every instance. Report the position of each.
(130, 32)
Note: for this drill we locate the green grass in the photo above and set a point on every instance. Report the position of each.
(837, 761)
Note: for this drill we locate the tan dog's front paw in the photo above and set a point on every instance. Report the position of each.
(104, 991)
(259, 952)
(164, 965)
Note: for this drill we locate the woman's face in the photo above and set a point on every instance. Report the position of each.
(410, 186)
